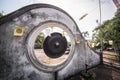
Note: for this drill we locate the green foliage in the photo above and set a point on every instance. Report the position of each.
(39, 41)
(1, 14)
(110, 30)
(68, 44)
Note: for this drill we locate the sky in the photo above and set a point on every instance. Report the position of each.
(76, 8)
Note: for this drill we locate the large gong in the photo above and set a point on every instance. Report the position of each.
(55, 45)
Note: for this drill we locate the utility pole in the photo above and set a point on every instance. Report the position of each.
(101, 36)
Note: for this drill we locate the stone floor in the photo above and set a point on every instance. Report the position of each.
(42, 57)
(101, 72)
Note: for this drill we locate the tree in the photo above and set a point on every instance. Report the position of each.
(1, 14)
(39, 41)
(110, 30)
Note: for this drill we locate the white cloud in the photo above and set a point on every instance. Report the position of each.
(76, 8)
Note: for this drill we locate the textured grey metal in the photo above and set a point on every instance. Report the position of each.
(14, 59)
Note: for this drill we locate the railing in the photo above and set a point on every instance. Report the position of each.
(112, 59)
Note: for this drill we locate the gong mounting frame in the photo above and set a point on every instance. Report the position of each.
(30, 46)
(19, 50)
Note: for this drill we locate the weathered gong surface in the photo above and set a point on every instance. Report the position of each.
(55, 45)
